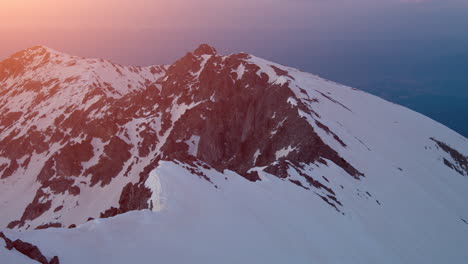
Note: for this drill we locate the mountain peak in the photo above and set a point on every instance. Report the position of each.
(205, 49)
(40, 49)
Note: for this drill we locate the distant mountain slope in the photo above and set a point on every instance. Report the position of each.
(220, 147)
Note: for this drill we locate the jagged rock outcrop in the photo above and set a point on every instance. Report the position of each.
(28, 249)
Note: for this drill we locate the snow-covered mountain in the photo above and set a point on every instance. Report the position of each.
(221, 159)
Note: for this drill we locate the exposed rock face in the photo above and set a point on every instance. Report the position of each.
(28, 250)
(236, 118)
(9, 244)
(83, 135)
(133, 197)
(459, 163)
(54, 260)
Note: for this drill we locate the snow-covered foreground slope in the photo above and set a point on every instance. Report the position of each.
(265, 222)
(232, 158)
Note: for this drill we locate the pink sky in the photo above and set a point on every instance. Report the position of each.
(167, 14)
(126, 14)
(90, 27)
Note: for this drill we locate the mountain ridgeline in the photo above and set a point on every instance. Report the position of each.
(82, 139)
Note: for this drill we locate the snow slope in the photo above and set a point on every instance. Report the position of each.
(269, 223)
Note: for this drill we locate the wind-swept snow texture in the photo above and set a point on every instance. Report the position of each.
(221, 159)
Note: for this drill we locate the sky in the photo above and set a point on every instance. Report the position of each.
(113, 28)
(412, 52)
